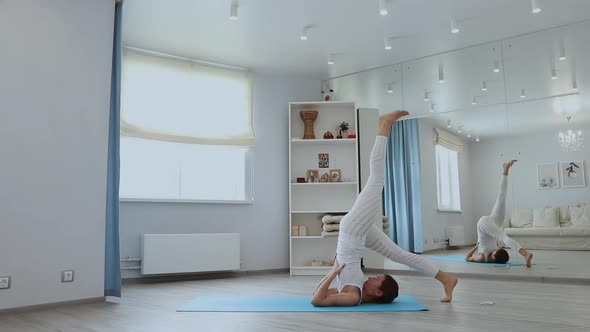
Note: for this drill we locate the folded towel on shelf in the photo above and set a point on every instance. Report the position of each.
(325, 234)
(385, 224)
(330, 219)
(385, 219)
(331, 227)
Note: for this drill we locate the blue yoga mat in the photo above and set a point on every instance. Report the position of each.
(461, 259)
(291, 304)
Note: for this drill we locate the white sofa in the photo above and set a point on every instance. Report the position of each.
(557, 228)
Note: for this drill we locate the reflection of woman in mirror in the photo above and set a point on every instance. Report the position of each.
(489, 231)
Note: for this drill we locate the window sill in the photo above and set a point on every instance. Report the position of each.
(165, 200)
(451, 211)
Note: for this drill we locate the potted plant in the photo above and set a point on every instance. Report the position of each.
(342, 128)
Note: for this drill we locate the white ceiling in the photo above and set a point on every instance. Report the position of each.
(525, 62)
(266, 36)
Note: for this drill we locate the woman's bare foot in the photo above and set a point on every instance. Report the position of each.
(387, 120)
(449, 282)
(528, 259)
(507, 165)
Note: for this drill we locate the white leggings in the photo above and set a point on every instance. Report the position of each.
(491, 225)
(499, 209)
(359, 221)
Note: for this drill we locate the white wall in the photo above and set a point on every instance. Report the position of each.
(434, 223)
(54, 104)
(529, 149)
(264, 224)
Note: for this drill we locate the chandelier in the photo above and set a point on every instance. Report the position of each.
(571, 140)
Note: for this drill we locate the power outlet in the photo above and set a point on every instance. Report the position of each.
(67, 276)
(5, 282)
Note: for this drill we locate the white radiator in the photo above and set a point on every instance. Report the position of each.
(187, 253)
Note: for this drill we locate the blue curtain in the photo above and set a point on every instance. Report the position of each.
(112, 277)
(402, 199)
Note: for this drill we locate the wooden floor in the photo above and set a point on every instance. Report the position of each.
(519, 306)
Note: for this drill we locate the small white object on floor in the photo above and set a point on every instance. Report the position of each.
(552, 267)
(487, 303)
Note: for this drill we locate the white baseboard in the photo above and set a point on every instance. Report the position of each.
(112, 299)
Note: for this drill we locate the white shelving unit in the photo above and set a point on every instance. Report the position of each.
(309, 202)
(325, 184)
(323, 141)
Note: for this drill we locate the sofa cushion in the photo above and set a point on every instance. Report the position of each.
(564, 215)
(574, 231)
(521, 218)
(546, 217)
(566, 224)
(532, 231)
(580, 215)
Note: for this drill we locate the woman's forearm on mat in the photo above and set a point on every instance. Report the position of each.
(322, 290)
(470, 253)
(322, 282)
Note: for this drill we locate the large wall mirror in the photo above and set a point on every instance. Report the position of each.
(475, 108)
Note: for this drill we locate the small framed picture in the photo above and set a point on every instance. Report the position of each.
(325, 177)
(572, 174)
(312, 176)
(335, 175)
(547, 176)
(323, 160)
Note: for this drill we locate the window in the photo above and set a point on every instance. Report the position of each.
(447, 174)
(447, 148)
(186, 130)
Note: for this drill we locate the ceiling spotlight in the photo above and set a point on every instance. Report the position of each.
(448, 123)
(496, 66)
(484, 86)
(473, 101)
(382, 8)
(389, 88)
(233, 12)
(426, 96)
(454, 28)
(431, 107)
(535, 9)
(522, 93)
(562, 54)
(387, 43)
(553, 74)
(469, 135)
(304, 32)
(441, 74)
(331, 59)
(477, 139)
(460, 130)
